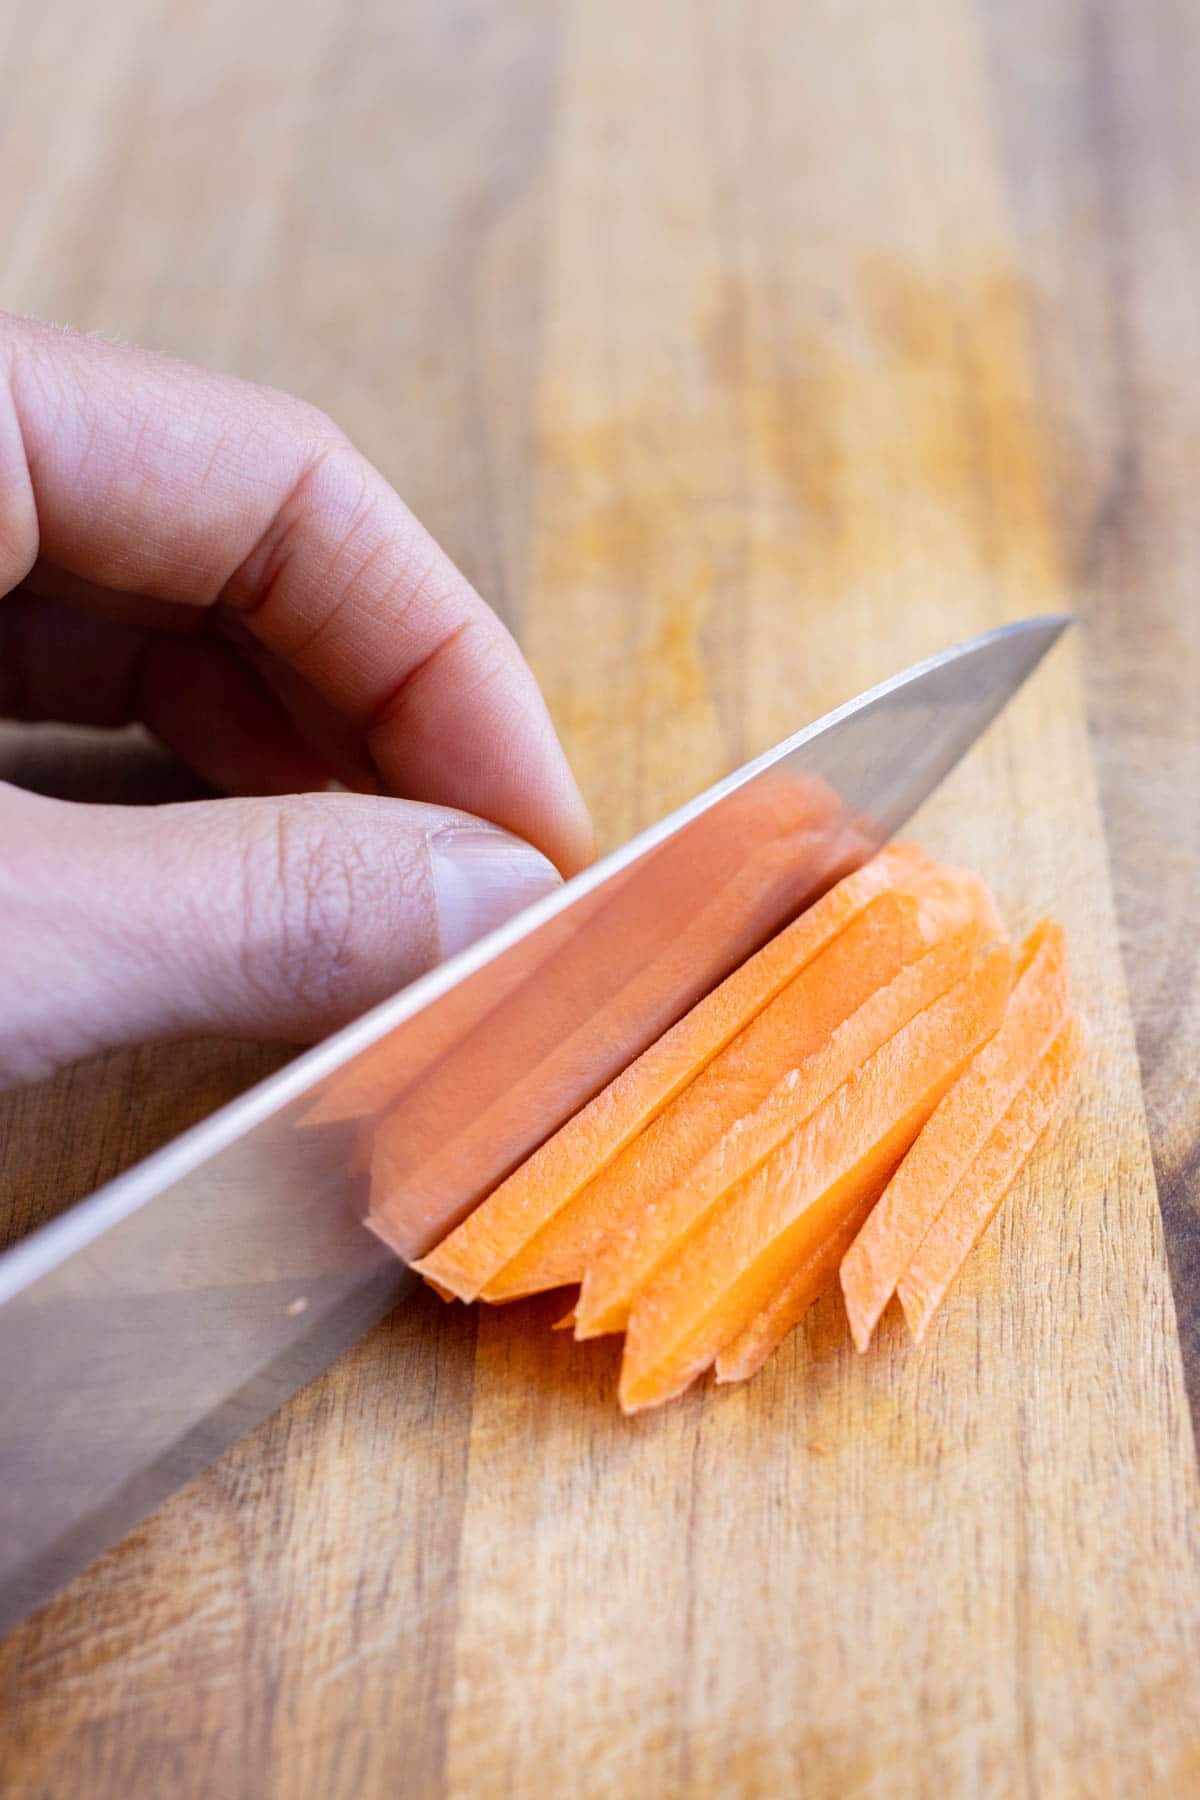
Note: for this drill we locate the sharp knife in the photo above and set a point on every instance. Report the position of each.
(155, 1323)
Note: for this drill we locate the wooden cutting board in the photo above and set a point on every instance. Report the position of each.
(741, 355)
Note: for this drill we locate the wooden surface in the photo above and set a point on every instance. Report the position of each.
(740, 354)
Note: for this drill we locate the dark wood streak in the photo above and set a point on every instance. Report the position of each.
(1103, 172)
(389, 1586)
(443, 313)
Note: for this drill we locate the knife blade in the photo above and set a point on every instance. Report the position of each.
(159, 1320)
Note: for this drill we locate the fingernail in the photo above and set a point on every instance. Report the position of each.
(481, 878)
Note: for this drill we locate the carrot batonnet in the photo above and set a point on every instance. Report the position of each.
(956, 1133)
(626, 1195)
(645, 1235)
(376, 1079)
(971, 1207)
(625, 967)
(853, 1100)
(748, 1352)
(500, 1228)
(358, 1158)
(441, 1292)
(733, 1264)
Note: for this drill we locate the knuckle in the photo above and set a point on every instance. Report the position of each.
(308, 425)
(487, 658)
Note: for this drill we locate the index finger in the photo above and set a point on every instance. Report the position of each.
(146, 476)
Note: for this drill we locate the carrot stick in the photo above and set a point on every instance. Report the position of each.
(642, 1235)
(358, 1162)
(504, 1224)
(620, 1207)
(624, 1197)
(729, 1268)
(441, 1292)
(818, 1272)
(956, 1133)
(977, 1197)
(378, 1077)
(628, 969)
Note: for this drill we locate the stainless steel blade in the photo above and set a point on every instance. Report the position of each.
(156, 1322)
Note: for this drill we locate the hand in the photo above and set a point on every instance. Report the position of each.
(216, 560)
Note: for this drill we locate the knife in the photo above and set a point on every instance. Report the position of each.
(155, 1323)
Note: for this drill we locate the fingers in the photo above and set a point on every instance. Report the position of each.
(195, 693)
(203, 703)
(256, 918)
(131, 473)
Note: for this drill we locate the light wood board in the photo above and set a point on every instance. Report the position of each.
(741, 355)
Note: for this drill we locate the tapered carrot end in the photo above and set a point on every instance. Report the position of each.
(862, 1317)
(443, 1293)
(442, 1280)
(731, 1369)
(637, 1396)
(597, 1325)
(860, 1331)
(916, 1316)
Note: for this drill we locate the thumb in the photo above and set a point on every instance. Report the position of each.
(279, 918)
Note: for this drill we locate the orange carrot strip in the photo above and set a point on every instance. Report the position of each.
(729, 1268)
(628, 967)
(441, 1292)
(620, 1207)
(506, 1222)
(818, 1272)
(379, 1076)
(956, 1132)
(642, 1236)
(358, 1162)
(975, 1201)
(794, 1025)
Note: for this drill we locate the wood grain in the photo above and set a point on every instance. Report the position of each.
(742, 355)
(1101, 142)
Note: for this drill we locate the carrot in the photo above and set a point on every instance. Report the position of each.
(977, 1197)
(441, 1292)
(376, 1078)
(730, 1267)
(358, 1160)
(508, 1223)
(795, 1024)
(956, 1132)
(628, 970)
(385, 1073)
(748, 1352)
(732, 1141)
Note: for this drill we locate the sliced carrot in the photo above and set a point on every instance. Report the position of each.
(377, 1078)
(622, 1203)
(956, 1133)
(818, 1272)
(683, 918)
(729, 1268)
(794, 1025)
(382, 1076)
(510, 1219)
(358, 1162)
(734, 1140)
(441, 1292)
(977, 1197)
